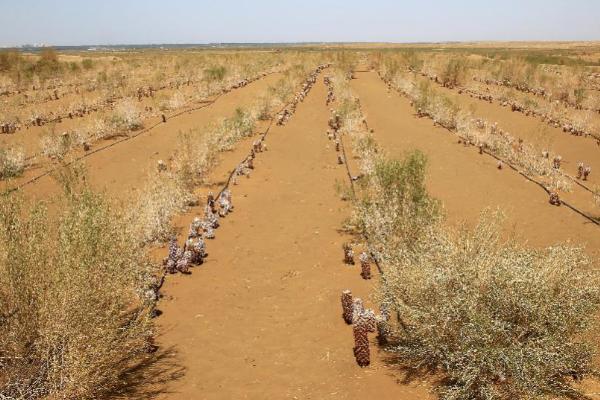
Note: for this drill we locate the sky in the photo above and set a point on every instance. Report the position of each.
(87, 22)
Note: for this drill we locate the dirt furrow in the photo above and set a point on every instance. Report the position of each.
(123, 167)
(465, 181)
(262, 317)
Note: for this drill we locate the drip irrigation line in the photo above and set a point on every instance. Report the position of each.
(538, 183)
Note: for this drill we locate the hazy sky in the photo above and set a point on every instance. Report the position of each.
(72, 22)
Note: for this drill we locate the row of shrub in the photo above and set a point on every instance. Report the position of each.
(428, 101)
(562, 96)
(77, 285)
(485, 316)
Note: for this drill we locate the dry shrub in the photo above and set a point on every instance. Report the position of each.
(55, 146)
(12, 163)
(74, 318)
(126, 117)
(282, 90)
(447, 113)
(163, 196)
(496, 319)
(454, 73)
(394, 209)
(234, 128)
(169, 193)
(499, 320)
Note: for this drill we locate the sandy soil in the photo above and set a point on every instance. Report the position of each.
(262, 319)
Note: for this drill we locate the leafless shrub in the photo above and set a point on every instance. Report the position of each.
(150, 215)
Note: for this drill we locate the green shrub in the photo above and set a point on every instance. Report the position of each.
(394, 208)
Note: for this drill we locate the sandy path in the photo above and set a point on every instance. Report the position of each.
(261, 319)
(125, 166)
(465, 181)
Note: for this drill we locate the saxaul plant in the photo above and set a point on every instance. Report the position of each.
(479, 132)
(76, 297)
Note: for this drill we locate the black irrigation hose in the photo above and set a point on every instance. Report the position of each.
(350, 177)
(571, 207)
(204, 104)
(530, 179)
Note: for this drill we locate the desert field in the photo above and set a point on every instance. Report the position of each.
(318, 221)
